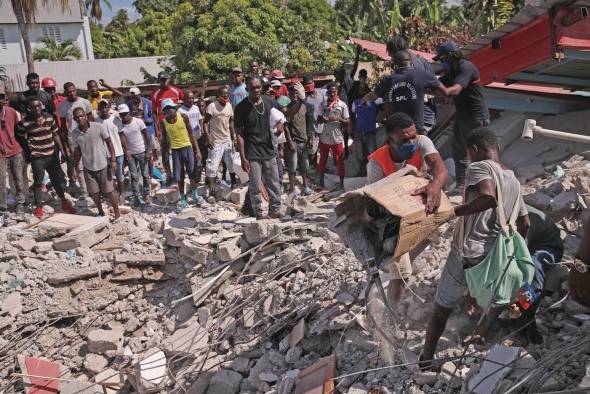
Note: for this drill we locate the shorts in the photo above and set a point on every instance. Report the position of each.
(100, 181)
(182, 158)
(401, 267)
(214, 156)
(300, 158)
(452, 285)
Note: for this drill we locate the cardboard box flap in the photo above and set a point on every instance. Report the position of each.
(394, 194)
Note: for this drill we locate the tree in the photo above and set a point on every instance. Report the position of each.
(95, 8)
(56, 51)
(25, 12)
(3, 76)
(486, 15)
(212, 37)
(165, 6)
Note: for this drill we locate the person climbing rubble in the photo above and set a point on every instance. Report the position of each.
(492, 194)
(404, 147)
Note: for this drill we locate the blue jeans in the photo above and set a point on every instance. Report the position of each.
(120, 164)
(183, 158)
(138, 165)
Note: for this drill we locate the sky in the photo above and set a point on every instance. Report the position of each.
(116, 5)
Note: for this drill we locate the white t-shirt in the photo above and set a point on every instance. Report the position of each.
(133, 135)
(276, 117)
(194, 116)
(219, 123)
(316, 99)
(66, 110)
(113, 126)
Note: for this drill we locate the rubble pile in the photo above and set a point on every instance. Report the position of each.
(208, 301)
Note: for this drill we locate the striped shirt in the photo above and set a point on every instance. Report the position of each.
(39, 138)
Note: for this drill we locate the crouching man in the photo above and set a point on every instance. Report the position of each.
(405, 147)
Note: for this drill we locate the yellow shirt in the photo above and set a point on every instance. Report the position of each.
(101, 94)
(177, 133)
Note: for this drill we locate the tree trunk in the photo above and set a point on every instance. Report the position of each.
(23, 27)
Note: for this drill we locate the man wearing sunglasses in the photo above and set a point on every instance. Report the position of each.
(404, 147)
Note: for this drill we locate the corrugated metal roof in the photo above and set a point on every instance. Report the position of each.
(50, 13)
(111, 70)
(532, 10)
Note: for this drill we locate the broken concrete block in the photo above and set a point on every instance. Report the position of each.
(203, 313)
(80, 273)
(80, 387)
(288, 382)
(111, 377)
(345, 298)
(88, 234)
(585, 383)
(190, 340)
(122, 273)
(293, 355)
(167, 196)
(238, 196)
(12, 304)
(493, 369)
(60, 224)
(224, 381)
(25, 244)
(268, 377)
(257, 232)
(249, 316)
(155, 258)
(229, 250)
(43, 247)
(425, 377)
(103, 341)
(94, 363)
(241, 364)
(527, 173)
(194, 252)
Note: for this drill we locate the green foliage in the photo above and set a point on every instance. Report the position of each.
(212, 37)
(165, 6)
(56, 51)
(486, 15)
(147, 36)
(94, 7)
(3, 76)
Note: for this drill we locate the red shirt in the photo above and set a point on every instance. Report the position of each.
(56, 103)
(9, 147)
(170, 92)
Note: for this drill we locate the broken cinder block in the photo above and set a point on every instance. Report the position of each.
(167, 196)
(88, 234)
(155, 258)
(103, 341)
(80, 273)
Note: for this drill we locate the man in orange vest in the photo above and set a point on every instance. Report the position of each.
(405, 147)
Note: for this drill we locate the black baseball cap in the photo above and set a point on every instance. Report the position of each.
(446, 48)
(163, 75)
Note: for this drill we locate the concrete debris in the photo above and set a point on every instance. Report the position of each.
(80, 273)
(105, 341)
(210, 301)
(224, 381)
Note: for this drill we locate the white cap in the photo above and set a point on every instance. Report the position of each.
(123, 108)
(135, 91)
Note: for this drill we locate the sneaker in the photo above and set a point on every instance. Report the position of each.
(67, 207)
(275, 215)
(197, 198)
(308, 191)
(39, 212)
(182, 204)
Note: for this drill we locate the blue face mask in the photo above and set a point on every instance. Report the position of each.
(405, 150)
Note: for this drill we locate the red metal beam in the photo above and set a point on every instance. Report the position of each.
(520, 50)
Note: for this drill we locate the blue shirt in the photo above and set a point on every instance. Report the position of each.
(366, 116)
(237, 93)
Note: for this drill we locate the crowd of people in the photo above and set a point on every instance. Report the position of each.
(269, 124)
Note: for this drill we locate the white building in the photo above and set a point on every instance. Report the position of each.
(52, 22)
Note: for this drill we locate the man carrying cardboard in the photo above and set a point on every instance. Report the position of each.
(405, 147)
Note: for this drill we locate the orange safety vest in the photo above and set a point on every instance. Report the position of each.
(383, 158)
